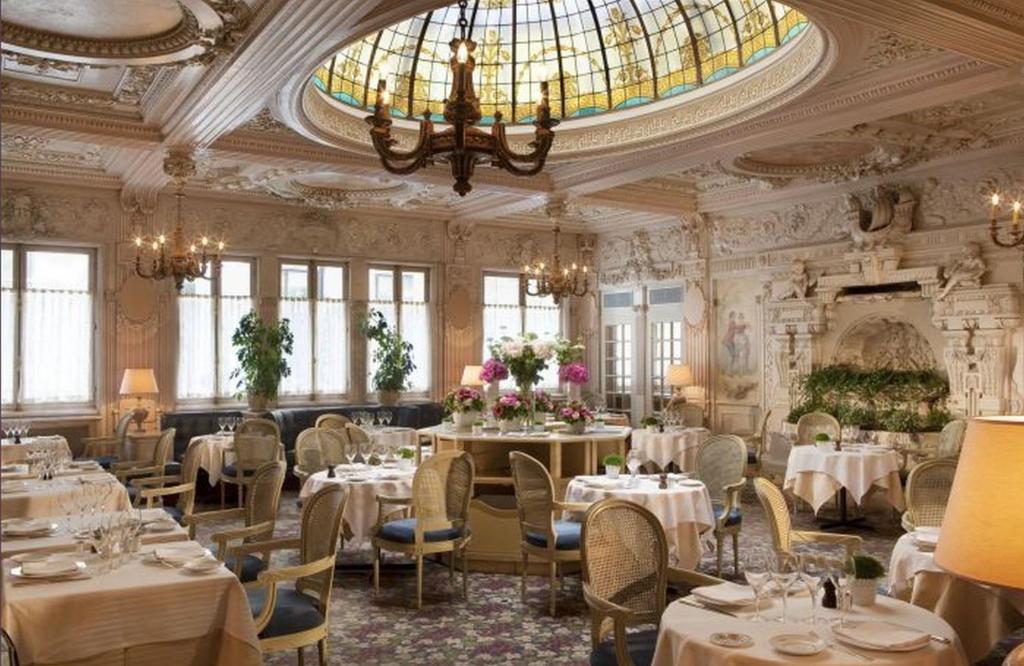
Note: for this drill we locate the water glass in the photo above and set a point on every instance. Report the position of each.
(812, 573)
(755, 570)
(842, 572)
(784, 575)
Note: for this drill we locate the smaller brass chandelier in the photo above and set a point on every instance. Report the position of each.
(461, 145)
(1016, 231)
(182, 260)
(552, 278)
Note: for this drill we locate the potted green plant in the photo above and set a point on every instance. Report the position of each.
(825, 439)
(478, 426)
(262, 349)
(651, 423)
(867, 572)
(612, 465)
(406, 456)
(392, 356)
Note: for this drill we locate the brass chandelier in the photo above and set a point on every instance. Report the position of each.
(461, 145)
(1016, 232)
(552, 278)
(182, 260)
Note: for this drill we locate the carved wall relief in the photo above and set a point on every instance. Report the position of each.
(884, 342)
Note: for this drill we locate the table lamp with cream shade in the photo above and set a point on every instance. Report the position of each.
(471, 376)
(982, 536)
(679, 376)
(139, 382)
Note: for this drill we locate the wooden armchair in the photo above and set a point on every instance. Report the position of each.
(809, 425)
(127, 470)
(542, 536)
(153, 489)
(721, 462)
(757, 444)
(928, 488)
(297, 616)
(625, 579)
(259, 516)
(441, 490)
(318, 448)
(108, 449)
(783, 534)
(256, 441)
(332, 421)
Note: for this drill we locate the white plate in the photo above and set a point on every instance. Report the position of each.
(201, 565)
(18, 527)
(161, 526)
(798, 645)
(690, 483)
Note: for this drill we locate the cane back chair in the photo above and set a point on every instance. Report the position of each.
(256, 441)
(542, 536)
(928, 488)
(625, 578)
(155, 489)
(333, 421)
(783, 534)
(441, 490)
(318, 448)
(809, 425)
(108, 449)
(128, 470)
(721, 463)
(757, 444)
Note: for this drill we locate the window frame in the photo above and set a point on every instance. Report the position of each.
(19, 275)
(397, 299)
(215, 297)
(313, 296)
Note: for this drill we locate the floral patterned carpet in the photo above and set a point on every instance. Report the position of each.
(494, 627)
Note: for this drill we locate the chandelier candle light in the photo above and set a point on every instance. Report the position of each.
(1016, 235)
(461, 145)
(184, 260)
(552, 278)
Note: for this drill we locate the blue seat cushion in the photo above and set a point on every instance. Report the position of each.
(751, 457)
(639, 644)
(293, 612)
(251, 567)
(567, 536)
(106, 461)
(232, 471)
(404, 531)
(174, 512)
(172, 469)
(734, 518)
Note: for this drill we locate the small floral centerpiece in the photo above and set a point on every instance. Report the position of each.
(511, 408)
(542, 406)
(525, 357)
(465, 405)
(572, 371)
(577, 415)
(493, 370)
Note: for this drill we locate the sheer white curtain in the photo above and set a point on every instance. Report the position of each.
(56, 346)
(331, 347)
(232, 309)
(416, 330)
(197, 370)
(297, 312)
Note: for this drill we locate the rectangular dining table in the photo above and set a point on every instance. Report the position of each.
(35, 498)
(140, 613)
(63, 541)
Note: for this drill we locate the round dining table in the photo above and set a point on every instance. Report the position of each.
(815, 473)
(215, 451)
(672, 446)
(684, 508)
(364, 483)
(684, 636)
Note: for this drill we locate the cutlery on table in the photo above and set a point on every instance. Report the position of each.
(697, 604)
(842, 648)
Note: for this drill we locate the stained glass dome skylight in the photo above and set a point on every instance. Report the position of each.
(598, 55)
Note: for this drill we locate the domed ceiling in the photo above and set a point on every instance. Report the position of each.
(598, 55)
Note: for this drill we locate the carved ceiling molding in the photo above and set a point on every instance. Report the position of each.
(40, 150)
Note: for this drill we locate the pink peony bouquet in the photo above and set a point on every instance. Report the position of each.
(526, 357)
(574, 373)
(510, 407)
(464, 399)
(493, 370)
(542, 402)
(575, 412)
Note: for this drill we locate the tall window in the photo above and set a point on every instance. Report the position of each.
(618, 366)
(666, 350)
(48, 321)
(401, 294)
(509, 310)
(208, 314)
(313, 300)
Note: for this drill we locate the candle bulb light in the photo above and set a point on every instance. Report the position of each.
(462, 53)
(1015, 236)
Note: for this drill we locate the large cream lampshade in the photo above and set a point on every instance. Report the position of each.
(139, 382)
(679, 375)
(471, 376)
(983, 527)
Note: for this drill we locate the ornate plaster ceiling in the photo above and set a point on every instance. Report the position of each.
(94, 19)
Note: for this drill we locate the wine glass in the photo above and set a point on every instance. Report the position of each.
(633, 463)
(222, 423)
(841, 571)
(385, 417)
(784, 574)
(755, 570)
(812, 573)
(365, 448)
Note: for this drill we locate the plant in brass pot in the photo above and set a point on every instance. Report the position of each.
(868, 571)
(262, 349)
(391, 354)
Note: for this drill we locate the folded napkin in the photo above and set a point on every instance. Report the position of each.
(179, 553)
(882, 635)
(928, 536)
(26, 525)
(603, 482)
(49, 566)
(17, 476)
(731, 594)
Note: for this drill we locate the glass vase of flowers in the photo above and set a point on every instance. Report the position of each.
(576, 415)
(542, 406)
(492, 372)
(465, 405)
(575, 375)
(526, 357)
(510, 410)
(572, 372)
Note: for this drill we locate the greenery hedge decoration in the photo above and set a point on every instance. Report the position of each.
(880, 399)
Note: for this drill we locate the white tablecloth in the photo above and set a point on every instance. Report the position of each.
(684, 512)
(683, 638)
(40, 499)
(394, 436)
(139, 613)
(63, 541)
(678, 446)
(981, 614)
(361, 509)
(214, 452)
(16, 453)
(814, 474)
